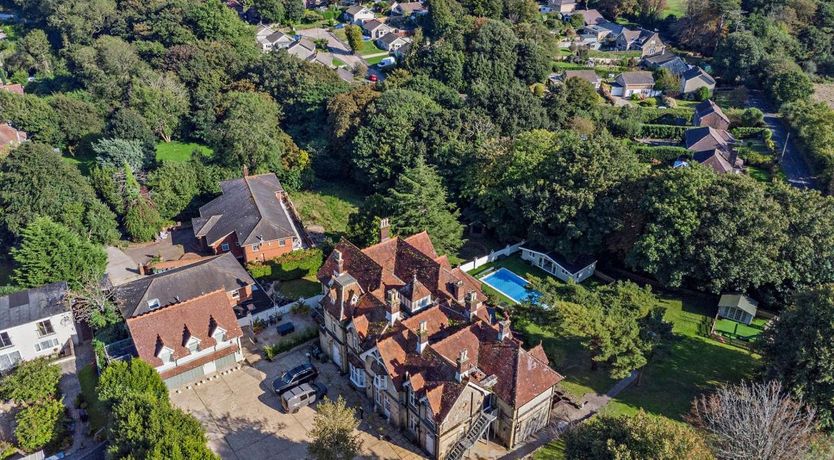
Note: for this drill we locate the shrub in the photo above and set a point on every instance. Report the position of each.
(752, 117)
(271, 351)
(31, 382)
(38, 425)
(663, 132)
(748, 132)
(292, 266)
(702, 94)
(664, 154)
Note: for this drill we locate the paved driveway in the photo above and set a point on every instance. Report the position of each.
(242, 419)
(335, 47)
(793, 162)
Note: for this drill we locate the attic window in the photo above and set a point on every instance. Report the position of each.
(193, 343)
(422, 303)
(164, 355)
(153, 303)
(219, 334)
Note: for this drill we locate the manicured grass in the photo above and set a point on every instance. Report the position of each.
(375, 60)
(553, 451)
(304, 287)
(95, 408)
(328, 204)
(338, 62)
(180, 151)
(676, 7)
(734, 329)
(369, 47)
(613, 54)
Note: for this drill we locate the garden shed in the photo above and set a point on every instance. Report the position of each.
(737, 307)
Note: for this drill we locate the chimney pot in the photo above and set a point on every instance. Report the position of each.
(384, 230)
(245, 170)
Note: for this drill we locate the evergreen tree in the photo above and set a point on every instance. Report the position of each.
(418, 202)
(51, 252)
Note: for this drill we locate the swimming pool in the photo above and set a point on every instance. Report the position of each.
(511, 285)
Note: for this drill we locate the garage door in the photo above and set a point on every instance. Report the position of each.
(184, 378)
(225, 362)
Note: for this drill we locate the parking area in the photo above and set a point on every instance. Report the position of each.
(243, 421)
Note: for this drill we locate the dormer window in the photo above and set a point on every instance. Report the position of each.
(153, 303)
(354, 299)
(165, 354)
(192, 344)
(422, 303)
(219, 334)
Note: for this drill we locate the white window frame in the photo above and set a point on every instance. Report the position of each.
(282, 243)
(13, 360)
(7, 342)
(357, 376)
(236, 294)
(256, 247)
(46, 324)
(193, 342)
(219, 334)
(47, 344)
(224, 247)
(165, 355)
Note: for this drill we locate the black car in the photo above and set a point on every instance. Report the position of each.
(296, 376)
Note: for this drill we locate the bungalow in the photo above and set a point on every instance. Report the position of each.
(578, 269)
(275, 40)
(392, 42)
(714, 148)
(408, 9)
(707, 113)
(588, 75)
(737, 307)
(303, 49)
(376, 29)
(10, 138)
(646, 41)
(666, 60)
(358, 14)
(250, 219)
(589, 17)
(562, 6)
(35, 323)
(185, 321)
(694, 79)
(638, 82)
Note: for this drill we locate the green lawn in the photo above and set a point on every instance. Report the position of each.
(369, 47)
(83, 162)
(602, 71)
(553, 451)
(303, 287)
(328, 204)
(180, 151)
(95, 408)
(730, 328)
(338, 62)
(614, 54)
(676, 7)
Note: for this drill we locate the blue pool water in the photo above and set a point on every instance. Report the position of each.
(511, 285)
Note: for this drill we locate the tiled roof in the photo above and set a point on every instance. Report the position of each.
(707, 108)
(638, 77)
(250, 207)
(208, 275)
(591, 17)
(707, 138)
(16, 88)
(587, 75)
(173, 325)
(10, 135)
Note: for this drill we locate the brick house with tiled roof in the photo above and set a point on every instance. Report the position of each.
(415, 335)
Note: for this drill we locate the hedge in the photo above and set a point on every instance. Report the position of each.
(746, 132)
(668, 116)
(291, 266)
(663, 132)
(665, 154)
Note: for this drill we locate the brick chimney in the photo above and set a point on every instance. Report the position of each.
(422, 337)
(340, 263)
(392, 306)
(456, 289)
(504, 329)
(384, 230)
(472, 305)
(464, 365)
(245, 170)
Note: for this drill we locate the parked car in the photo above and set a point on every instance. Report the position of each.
(373, 77)
(386, 62)
(303, 395)
(294, 377)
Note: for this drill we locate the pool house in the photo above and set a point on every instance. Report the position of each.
(559, 266)
(737, 307)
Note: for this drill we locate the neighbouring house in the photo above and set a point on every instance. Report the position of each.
(15, 88)
(377, 29)
(599, 34)
(303, 49)
(310, 4)
(185, 321)
(707, 113)
(590, 17)
(358, 14)
(35, 323)
(562, 6)
(714, 148)
(648, 42)
(639, 82)
(408, 9)
(694, 79)
(392, 42)
(577, 270)
(737, 307)
(251, 219)
(275, 40)
(10, 138)
(416, 337)
(588, 75)
(666, 60)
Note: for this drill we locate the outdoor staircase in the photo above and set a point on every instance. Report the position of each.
(471, 437)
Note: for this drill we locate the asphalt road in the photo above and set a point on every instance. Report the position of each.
(793, 162)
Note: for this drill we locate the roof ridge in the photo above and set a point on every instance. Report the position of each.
(257, 207)
(166, 307)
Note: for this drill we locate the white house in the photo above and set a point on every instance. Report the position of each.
(377, 29)
(358, 14)
(557, 265)
(392, 42)
(34, 323)
(737, 307)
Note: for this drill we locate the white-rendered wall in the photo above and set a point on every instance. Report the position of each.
(25, 336)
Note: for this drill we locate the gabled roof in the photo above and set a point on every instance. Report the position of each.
(591, 17)
(707, 138)
(717, 159)
(408, 8)
(707, 108)
(636, 78)
(740, 301)
(587, 75)
(356, 9)
(222, 272)
(28, 305)
(172, 326)
(390, 38)
(373, 24)
(249, 207)
(697, 72)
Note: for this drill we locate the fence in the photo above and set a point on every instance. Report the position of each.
(491, 257)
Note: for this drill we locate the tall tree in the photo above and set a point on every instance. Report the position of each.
(162, 100)
(31, 381)
(333, 432)
(50, 252)
(116, 153)
(354, 37)
(754, 421)
(38, 424)
(798, 351)
(249, 132)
